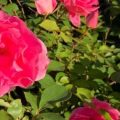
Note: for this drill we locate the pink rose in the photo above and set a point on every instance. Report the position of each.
(102, 105)
(94, 112)
(45, 7)
(23, 57)
(87, 8)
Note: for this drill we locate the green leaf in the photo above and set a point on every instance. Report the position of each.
(104, 49)
(31, 4)
(11, 8)
(65, 37)
(47, 81)
(56, 66)
(116, 76)
(106, 115)
(49, 25)
(59, 75)
(3, 103)
(111, 70)
(53, 93)
(32, 99)
(62, 51)
(15, 109)
(26, 118)
(84, 93)
(3, 2)
(50, 116)
(4, 116)
(96, 73)
(64, 80)
(67, 115)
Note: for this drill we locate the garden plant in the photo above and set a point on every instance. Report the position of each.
(59, 60)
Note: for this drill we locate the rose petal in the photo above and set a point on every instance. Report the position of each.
(92, 19)
(75, 19)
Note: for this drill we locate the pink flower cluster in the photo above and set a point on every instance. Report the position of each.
(75, 8)
(95, 111)
(23, 57)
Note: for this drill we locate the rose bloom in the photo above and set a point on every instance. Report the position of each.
(45, 7)
(23, 57)
(94, 112)
(87, 8)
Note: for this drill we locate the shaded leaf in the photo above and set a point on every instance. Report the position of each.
(50, 116)
(32, 99)
(47, 81)
(53, 93)
(56, 66)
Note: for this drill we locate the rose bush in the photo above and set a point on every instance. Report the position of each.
(23, 57)
(95, 111)
(84, 62)
(45, 7)
(87, 8)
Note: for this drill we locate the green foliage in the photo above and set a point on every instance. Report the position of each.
(49, 116)
(53, 93)
(3, 2)
(56, 66)
(84, 63)
(32, 99)
(10, 8)
(84, 93)
(4, 115)
(47, 81)
(15, 109)
(49, 25)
